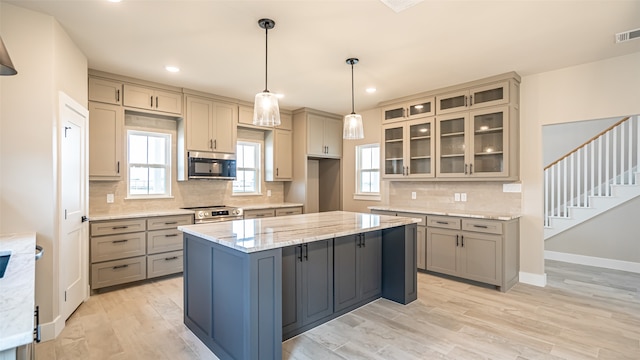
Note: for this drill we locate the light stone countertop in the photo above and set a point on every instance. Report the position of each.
(458, 213)
(269, 233)
(139, 214)
(269, 206)
(17, 290)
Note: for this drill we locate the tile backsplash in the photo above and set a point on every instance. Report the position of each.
(486, 197)
(185, 194)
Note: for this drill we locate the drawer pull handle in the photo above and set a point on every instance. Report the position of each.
(119, 241)
(119, 227)
(171, 258)
(259, 215)
(443, 222)
(171, 235)
(120, 267)
(171, 223)
(481, 226)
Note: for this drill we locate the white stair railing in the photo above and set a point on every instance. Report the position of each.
(609, 158)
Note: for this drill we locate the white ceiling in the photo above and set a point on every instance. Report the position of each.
(220, 48)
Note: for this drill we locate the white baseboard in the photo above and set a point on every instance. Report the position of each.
(51, 330)
(533, 279)
(593, 261)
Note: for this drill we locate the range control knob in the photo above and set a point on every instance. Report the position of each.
(201, 214)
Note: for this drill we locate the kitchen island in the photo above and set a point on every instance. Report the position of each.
(249, 284)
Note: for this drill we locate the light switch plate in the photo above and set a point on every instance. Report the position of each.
(413, 195)
(110, 198)
(268, 192)
(456, 197)
(463, 197)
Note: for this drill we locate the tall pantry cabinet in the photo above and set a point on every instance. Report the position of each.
(317, 152)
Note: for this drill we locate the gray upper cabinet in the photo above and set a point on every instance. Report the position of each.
(106, 123)
(152, 99)
(474, 98)
(358, 268)
(409, 110)
(324, 136)
(105, 91)
(307, 285)
(210, 125)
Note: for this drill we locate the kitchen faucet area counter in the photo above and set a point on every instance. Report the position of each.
(250, 284)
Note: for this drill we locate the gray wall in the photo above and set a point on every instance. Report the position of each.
(559, 139)
(611, 235)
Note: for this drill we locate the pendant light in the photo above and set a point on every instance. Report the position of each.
(266, 111)
(6, 66)
(353, 122)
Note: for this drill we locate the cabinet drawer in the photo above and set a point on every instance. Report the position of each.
(164, 264)
(256, 214)
(119, 246)
(484, 226)
(444, 222)
(168, 222)
(118, 272)
(164, 240)
(422, 217)
(117, 227)
(288, 211)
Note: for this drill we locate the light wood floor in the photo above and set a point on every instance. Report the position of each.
(583, 313)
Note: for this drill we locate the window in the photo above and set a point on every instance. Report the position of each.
(368, 172)
(247, 168)
(149, 164)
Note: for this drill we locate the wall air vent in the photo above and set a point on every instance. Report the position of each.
(627, 35)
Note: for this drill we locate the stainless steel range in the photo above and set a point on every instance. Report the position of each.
(215, 213)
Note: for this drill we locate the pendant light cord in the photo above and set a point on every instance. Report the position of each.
(266, 56)
(353, 111)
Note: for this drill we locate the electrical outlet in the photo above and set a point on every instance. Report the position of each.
(413, 195)
(268, 192)
(110, 198)
(463, 197)
(456, 197)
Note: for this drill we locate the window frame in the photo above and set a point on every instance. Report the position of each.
(258, 145)
(359, 193)
(167, 165)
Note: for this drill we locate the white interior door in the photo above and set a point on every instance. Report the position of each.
(74, 252)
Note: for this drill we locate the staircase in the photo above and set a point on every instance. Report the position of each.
(593, 178)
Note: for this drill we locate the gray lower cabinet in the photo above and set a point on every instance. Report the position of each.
(127, 250)
(307, 286)
(358, 269)
(479, 250)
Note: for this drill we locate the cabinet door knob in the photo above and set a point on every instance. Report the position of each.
(156, 102)
(457, 240)
(465, 169)
(470, 169)
(118, 95)
(299, 256)
(462, 240)
(306, 251)
(470, 100)
(152, 101)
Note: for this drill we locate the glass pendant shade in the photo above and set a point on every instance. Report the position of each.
(353, 129)
(266, 111)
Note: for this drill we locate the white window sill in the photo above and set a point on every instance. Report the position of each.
(148, 197)
(367, 197)
(246, 194)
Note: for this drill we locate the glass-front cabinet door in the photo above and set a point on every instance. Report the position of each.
(490, 95)
(409, 110)
(408, 149)
(421, 148)
(393, 150)
(452, 102)
(489, 142)
(452, 140)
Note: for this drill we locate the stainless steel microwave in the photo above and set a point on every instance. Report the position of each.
(216, 166)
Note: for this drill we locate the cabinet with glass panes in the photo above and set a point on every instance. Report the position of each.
(475, 144)
(408, 149)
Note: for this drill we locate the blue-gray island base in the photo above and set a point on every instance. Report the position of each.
(249, 284)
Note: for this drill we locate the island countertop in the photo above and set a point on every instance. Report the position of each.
(17, 300)
(268, 233)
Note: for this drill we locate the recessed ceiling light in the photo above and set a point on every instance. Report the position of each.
(173, 69)
(371, 90)
(116, 1)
